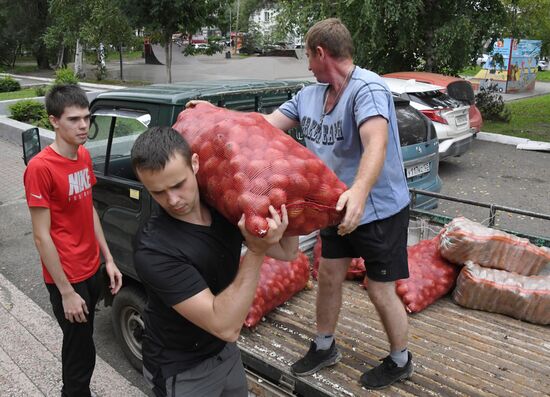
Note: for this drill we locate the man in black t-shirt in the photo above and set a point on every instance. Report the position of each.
(187, 257)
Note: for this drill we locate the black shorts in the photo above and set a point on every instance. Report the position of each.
(382, 244)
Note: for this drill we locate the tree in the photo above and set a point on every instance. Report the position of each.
(64, 30)
(528, 19)
(22, 25)
(107, 25)
(434, 35)
(166, 17)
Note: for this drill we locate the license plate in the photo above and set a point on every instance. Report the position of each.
(418, 170)
(461, 120)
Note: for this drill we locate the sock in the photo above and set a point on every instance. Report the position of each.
(323, 342)
(400, 357)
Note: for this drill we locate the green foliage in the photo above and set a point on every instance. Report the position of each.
(491, 105)
(27, 111)
(65, 76)
(431, 35)
(21, 94)
(530, 119)
(528, 19)
(41, 90)
(9, 84)
(543, 76)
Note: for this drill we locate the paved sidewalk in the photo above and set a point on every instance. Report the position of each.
(30, 352)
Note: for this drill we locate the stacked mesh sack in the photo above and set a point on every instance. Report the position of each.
(501, 272)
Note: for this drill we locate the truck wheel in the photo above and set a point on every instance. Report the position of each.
(127, 319)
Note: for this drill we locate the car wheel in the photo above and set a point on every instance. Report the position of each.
(539, 68)
(128, 325)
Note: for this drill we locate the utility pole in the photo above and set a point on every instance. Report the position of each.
(237, 26)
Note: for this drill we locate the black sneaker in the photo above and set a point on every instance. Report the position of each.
(386, 373)
(315, 359)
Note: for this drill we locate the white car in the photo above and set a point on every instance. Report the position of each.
(483, 59)
(200, 46)
(450, 117)
(543, 65)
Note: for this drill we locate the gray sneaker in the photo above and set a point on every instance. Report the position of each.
(315, 359)
(386, 374)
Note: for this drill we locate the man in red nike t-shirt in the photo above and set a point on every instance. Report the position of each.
(68, 234)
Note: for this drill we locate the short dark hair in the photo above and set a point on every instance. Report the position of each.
(332, 35)
(156, 146)
(61, 96)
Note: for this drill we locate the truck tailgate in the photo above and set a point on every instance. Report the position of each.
(457, 351)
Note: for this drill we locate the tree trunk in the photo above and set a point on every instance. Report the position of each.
(41, 55)
(428, 37)
(60, 55)
(78, 60)
(120, 59)
(15, 52)
(168, 56)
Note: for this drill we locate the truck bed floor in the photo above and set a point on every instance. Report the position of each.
(457, 351)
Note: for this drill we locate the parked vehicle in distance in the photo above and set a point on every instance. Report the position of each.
(456, 87)
(543, 65)
(200, 46)
(450, 117)
(483, 59)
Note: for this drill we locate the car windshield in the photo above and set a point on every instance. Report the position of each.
(434, 99)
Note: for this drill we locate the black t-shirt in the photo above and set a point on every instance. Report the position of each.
(175, 260)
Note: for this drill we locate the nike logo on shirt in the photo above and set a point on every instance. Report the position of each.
(36, 196)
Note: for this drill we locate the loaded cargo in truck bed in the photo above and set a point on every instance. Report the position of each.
(457, 351)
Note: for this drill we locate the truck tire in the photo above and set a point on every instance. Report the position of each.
(127, 319)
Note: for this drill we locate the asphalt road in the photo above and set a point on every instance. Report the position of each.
(499, 174)
(490, 172)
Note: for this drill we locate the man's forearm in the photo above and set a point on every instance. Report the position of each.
(50, 258)
(232, 305)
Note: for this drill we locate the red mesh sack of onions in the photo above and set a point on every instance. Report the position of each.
(430, 276)
(246, 164)
(356, 269)
(279, 281)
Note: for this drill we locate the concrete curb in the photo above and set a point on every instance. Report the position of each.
(10, 130)
(498, 138)
(519, 143)
(100, 87)
(30, 352)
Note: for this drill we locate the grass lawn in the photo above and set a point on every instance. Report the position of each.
(24, 93)
(126, 83)
(543, 76)
(126, 56)
(530, 119)
(471, 71)
(19, 69)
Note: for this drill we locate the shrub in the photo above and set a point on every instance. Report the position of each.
(8, 84)
(41, 90)
(27, 110)
(65, 76)
(491, 105)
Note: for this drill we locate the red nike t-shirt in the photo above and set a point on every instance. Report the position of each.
(65, 187)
